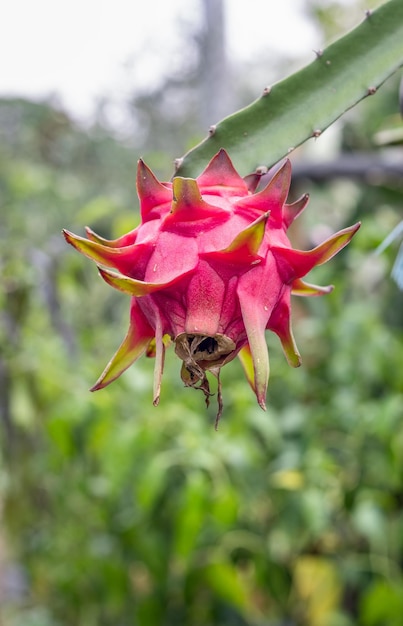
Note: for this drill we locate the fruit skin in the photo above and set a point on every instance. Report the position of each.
(210, 268)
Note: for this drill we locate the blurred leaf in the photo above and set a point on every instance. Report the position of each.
(225, 581)
(191, 514)
(318, 588)
(382, 604)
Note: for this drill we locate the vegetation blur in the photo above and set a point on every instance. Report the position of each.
(118, 513)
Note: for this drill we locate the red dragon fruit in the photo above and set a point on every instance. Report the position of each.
(211, 268)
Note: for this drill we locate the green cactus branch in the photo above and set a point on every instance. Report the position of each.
(307, 102)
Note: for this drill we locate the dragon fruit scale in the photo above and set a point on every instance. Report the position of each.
(210, 268)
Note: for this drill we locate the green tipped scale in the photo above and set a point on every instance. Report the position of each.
(244, 249)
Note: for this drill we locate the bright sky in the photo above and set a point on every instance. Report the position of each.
(82, 49)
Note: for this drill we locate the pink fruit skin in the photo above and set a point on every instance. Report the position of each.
(210, 268)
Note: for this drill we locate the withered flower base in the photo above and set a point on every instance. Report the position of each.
(211, 268)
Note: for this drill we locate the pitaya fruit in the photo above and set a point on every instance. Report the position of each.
(210, 268)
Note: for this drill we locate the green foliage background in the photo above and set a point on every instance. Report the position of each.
(118, 513)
